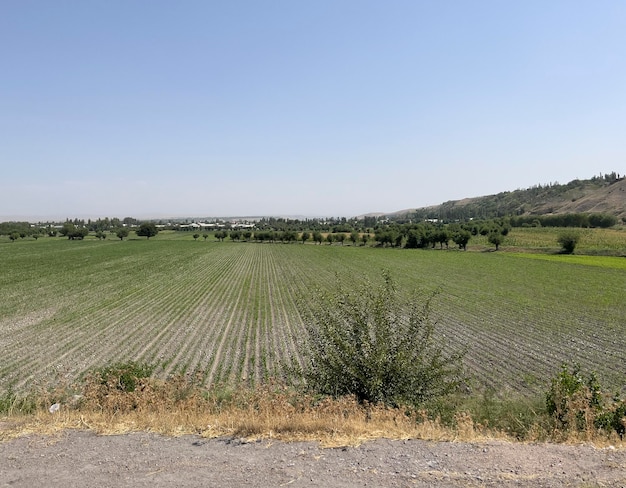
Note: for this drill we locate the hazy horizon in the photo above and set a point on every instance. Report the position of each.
(154, 109)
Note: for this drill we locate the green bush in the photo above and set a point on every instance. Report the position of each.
(124, 376)
(568, 240)
(372, 344)
(576, 403)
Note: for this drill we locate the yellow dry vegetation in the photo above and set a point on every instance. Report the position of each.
(272, 411)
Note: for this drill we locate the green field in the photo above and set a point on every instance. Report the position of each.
(231, 310)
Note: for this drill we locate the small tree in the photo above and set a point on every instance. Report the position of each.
(147, 230)
(365, 238)
(121, 233)
(305, 237)
(354, 237)
(372, 344)
(205, 235)
(568, 240)
(496, 239)
(461, 238)
(14, 236)
(195, 237)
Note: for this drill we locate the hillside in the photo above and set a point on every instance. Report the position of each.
(604, 194)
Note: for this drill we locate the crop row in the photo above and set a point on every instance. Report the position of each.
(233, 311)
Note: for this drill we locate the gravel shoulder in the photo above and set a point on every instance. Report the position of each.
(79, 458)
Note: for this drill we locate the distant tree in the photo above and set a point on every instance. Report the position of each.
(304, 237)
(496, 239)
(289, 236)
(317, 237)
(354, 237)
(52, 233)
(195, 237)
(330, 238)
(461, 238)
(247, 235)
(205, 235)
(14, 236)
(568, 240)
(147, 230)
(100, 235)
(23, 235)
(382, 237)
(130, 221)
(235, 235)
(341, 237)
(602, 220)
(67, 228)
(121, 233)
(365, 238)
(36, 235)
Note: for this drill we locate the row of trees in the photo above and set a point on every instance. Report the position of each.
(583, 220)
(72, 232)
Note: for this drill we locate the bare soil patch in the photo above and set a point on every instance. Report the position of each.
(80, 458)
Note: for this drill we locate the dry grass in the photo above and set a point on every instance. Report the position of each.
(272, 411)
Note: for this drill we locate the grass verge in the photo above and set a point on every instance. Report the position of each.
(181, 406)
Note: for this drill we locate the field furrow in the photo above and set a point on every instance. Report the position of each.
(233, 311)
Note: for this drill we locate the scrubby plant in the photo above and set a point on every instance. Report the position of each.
(576, 403)
(568, 240)
(124, 376)
(378, 347)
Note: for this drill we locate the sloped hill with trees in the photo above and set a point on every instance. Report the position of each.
(600, 194)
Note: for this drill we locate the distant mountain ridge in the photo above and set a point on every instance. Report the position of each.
(600, 194)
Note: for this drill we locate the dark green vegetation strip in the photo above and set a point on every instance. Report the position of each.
(230, 310)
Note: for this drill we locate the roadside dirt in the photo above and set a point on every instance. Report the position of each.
(78, 458)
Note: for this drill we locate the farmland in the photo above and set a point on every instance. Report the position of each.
(231, 311)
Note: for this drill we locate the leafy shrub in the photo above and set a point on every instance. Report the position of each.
(577, 404)
(568, 240)
(572, 399)
(124, 376)
(373, 345)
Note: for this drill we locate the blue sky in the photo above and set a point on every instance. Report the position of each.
(154, 108)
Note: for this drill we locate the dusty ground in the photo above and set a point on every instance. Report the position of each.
(77, 458)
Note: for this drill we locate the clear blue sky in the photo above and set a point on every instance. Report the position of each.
(219, 108)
